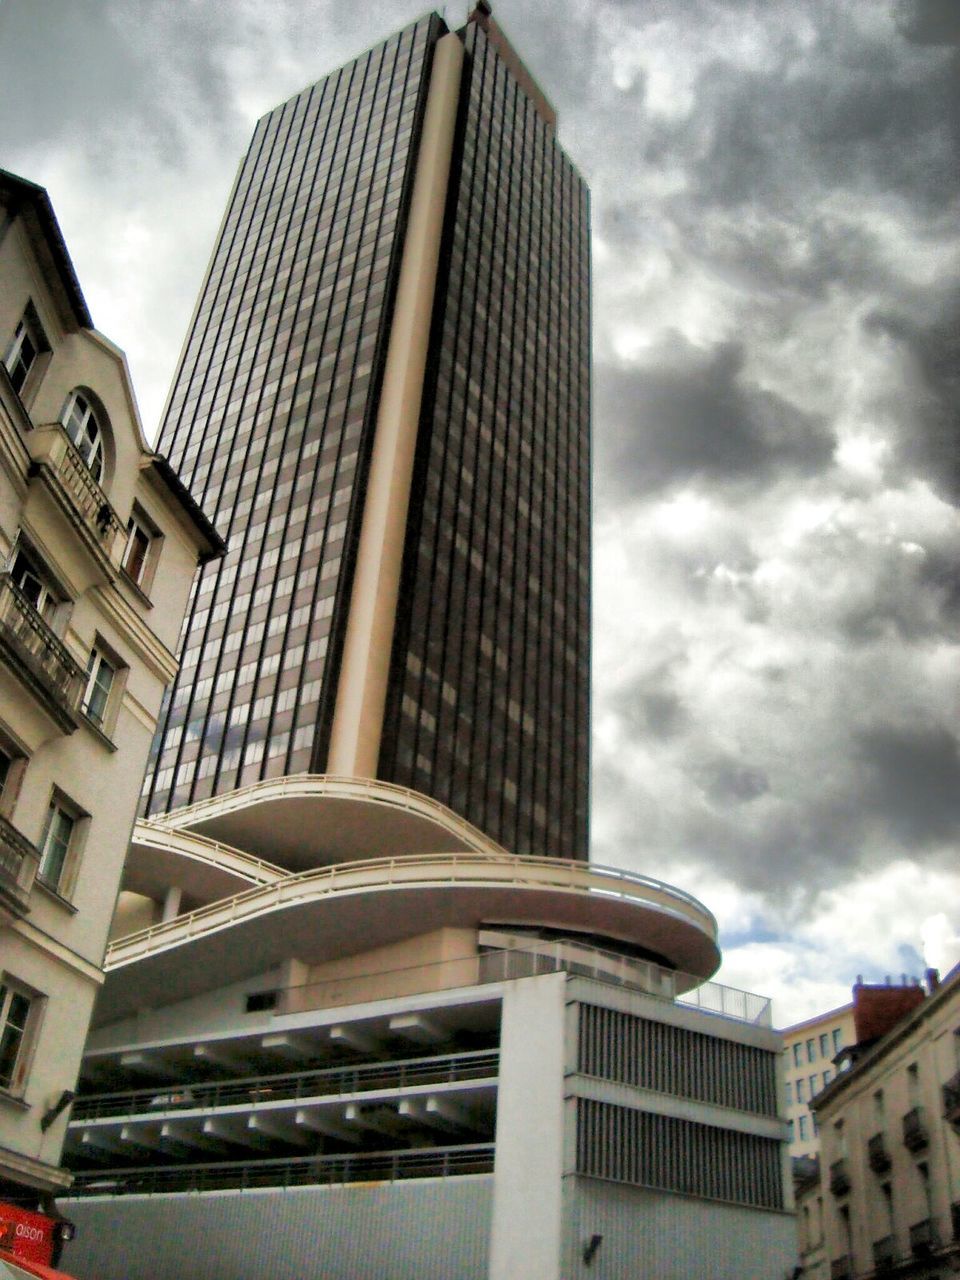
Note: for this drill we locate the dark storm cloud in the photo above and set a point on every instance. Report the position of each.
(860, 117)
(691, 415)
(930, 21)
(913, 781)
(928, 434)
(142, 73)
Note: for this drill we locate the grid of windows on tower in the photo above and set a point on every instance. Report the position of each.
(271, 425)
(488, 709)
(267, 414)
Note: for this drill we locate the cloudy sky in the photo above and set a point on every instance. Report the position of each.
(777, 304)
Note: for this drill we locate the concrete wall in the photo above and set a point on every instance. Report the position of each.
(530, 1131)
(671, 1237)
(435, 1229)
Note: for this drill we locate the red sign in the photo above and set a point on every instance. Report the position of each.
(26, 1234)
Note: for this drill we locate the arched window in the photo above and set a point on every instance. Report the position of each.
(80, 423)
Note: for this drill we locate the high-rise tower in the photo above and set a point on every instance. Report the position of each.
(413, 1050)
(384, 400)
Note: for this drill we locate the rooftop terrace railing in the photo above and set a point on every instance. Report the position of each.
(535, 957)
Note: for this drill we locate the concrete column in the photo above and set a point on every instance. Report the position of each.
(526, 1231)
(171, 904)
(362, 688)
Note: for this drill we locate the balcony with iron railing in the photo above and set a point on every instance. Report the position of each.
(951, 1102)
(68, 478)
(878, 1157)
(39, 657)
(916, 1136)
(924, 1238)
(884, 1255)
(840, 1177)
(19, 860)
(841, 1268)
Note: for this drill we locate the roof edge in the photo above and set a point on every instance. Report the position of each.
(24, 193)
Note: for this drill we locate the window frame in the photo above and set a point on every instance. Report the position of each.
(90, 447)
(99, 661)
(10, 989)
(28, 329)
(24, 562)
(62, 806)
(140, 522)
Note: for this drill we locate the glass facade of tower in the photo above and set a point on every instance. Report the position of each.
(271, 424)
(489, 702)
(272, 402)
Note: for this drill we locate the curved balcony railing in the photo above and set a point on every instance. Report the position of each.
(407, 871)
(212, 853)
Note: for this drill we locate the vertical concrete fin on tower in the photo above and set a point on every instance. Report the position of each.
(362, 687)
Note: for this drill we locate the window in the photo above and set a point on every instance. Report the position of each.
(12, 764)
(100, 675)
(824, 1045)
(827, 1077)
(837, 1036)
(28, 344)
(30, 578)
(811, 1050)
(797, 1054)
(789, 1088)
(16, 1006)
(913, 1083)
(80, 423)
(136, 551)
(801, 1091)
(813, 1086)
(803, 1128)
(58, 832)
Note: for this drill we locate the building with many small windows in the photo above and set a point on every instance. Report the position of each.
(809, 1049)
(888, 1197)
(98, 546)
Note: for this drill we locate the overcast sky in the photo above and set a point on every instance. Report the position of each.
(777, 309)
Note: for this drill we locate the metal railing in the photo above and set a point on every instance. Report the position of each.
(575, 958)
(884, 1254)
(841, 1268)
(924, 1238)
(385, 1166)
(214, 853)
(294, 1086)
(450, 868)
(42, 652)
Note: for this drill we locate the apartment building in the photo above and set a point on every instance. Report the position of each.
(809, 1049)
(99, 543)
(890, 1148)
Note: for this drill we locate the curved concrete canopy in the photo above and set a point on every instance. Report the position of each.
(351, 909)
(204, 870)
(304, 820)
